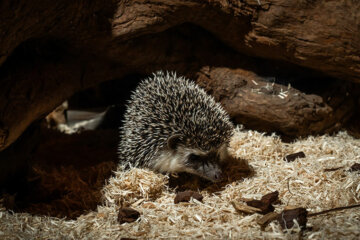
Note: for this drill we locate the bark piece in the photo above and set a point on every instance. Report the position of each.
(265, 204)
(127, 215)
(270, 197)
(355, 167)
(332, 169)
(292, 157)
(286, 218)
(243, 208)
(186, 196)
(267, 218)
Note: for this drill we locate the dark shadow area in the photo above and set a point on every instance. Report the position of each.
(36, 50)
(110, 93)
(64, 174)
(353, 125)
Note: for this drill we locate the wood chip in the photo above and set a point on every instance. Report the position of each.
(355, 167)
(243, 208)
(264, 207)
(149, 205)
(286, 218)
(267, 218)
(294, 156)
(265, 204)
(332, 169)
(270, 197)
(186, 196)
(127, 215)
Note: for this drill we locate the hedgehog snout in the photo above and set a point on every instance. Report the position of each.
(211, 172)
(204, 164)
(218, 175)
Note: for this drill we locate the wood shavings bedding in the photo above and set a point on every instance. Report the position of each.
(302, 183)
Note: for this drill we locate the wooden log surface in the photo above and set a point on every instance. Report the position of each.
(50, 50)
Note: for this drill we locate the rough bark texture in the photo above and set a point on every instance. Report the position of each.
(50, 50)
(268, 106)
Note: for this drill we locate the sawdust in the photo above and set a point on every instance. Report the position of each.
(302, 183)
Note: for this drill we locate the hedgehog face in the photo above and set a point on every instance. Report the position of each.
(194, 161)
(204, 164)
(180, 158)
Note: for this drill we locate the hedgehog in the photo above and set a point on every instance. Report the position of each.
(172, 125)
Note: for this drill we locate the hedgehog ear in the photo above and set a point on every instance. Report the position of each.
(174, 140)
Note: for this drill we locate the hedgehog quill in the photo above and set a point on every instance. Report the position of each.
(172, 125)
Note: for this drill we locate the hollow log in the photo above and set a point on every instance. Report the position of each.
(50, 50)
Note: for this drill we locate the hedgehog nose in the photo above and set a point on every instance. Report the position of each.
(217, 176)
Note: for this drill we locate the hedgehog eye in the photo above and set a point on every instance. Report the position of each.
(193, 157)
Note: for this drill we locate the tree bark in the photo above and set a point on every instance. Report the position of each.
(271, 107)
